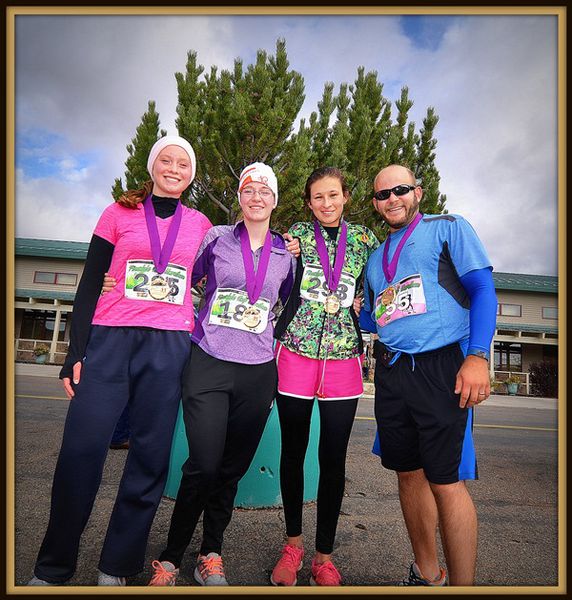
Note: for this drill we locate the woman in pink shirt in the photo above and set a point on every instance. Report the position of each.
(126, 347)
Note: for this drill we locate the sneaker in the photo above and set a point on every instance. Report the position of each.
(416, 577)
(105, 579)
(165, 573)
(209, 570)
(288, 565)
(325, 574)
(37, 581)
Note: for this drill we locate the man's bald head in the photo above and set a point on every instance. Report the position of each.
(406, 175)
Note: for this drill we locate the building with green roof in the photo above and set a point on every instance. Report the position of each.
(48, 272)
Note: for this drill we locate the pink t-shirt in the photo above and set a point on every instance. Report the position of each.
(143, 298)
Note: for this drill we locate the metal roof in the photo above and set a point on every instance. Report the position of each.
(527, 328)
(51, 248)
(526, 283)
(43, 294)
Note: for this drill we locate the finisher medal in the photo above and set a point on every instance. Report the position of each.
(251, 317)
(332, 304)
(158, 288)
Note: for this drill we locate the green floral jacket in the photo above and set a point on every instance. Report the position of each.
(304, 326)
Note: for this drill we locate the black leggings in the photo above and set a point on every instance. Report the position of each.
(336, 420)
(225, 408)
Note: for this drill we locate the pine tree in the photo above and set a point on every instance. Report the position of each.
(433, 202)
(146, 134)
(233, 119)
(246, 114)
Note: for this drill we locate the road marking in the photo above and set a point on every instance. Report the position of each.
(357, 418)
(516, 427)
(41, 397)
(487, 426)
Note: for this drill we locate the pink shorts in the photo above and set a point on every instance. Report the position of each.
(308, 378)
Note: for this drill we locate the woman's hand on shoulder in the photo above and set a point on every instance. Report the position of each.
(292, 244)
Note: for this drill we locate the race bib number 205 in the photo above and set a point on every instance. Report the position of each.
(142, 282)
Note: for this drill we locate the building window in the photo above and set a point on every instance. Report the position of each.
(55, 278)
(39, 325)
(508, 356)
(509, 310)
(550, 312)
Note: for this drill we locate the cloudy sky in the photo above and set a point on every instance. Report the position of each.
(83, 83)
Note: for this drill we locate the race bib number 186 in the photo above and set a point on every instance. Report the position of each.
(232, 308)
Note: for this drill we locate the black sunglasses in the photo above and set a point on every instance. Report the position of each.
(398, 190)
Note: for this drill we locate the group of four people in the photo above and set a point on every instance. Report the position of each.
(132, 346)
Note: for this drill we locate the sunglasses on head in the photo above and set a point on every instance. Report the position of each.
(398, 190)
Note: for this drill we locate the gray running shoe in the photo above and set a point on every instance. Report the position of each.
(164, 573)
(415, 577)
(209, 570)
(105, 579)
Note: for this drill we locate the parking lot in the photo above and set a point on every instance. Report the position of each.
(516, 498)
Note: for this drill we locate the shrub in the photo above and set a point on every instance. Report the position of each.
(544, 379)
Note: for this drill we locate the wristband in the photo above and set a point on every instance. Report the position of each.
(479, 353)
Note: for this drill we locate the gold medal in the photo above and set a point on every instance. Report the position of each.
(332, 304)
(158, 288)
(251, 317)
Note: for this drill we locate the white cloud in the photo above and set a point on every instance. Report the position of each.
(492, 82)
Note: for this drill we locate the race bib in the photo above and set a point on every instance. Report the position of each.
(402, 299)
(315, 287)
(232, 308)
(142, 282)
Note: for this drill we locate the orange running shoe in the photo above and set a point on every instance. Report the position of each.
(325, 574)
(288, 565)
(164, 573)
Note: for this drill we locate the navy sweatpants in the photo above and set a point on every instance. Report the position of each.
(122, 365)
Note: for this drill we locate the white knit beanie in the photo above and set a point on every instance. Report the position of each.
(261, 173)
(171, 140)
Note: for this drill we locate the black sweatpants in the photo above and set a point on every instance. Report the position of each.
(225, 408)
(336, 420)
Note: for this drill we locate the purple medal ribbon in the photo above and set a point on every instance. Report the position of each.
(162, 255)
(390, 269)
(332, 276)
(254, 281)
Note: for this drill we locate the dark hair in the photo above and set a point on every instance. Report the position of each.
(320, 174)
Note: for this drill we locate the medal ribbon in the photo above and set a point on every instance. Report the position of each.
(332, 275)
(390, 269)
(254, 281)
(162, 255)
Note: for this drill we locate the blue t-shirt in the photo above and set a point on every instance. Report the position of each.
(425, 306)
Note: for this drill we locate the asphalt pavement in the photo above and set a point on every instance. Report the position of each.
(516, 499)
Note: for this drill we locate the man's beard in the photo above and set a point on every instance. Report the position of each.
(409, 216)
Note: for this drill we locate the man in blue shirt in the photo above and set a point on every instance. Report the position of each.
(429, 296)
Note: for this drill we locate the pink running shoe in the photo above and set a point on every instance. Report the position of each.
(325, 574)
(287, 567)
